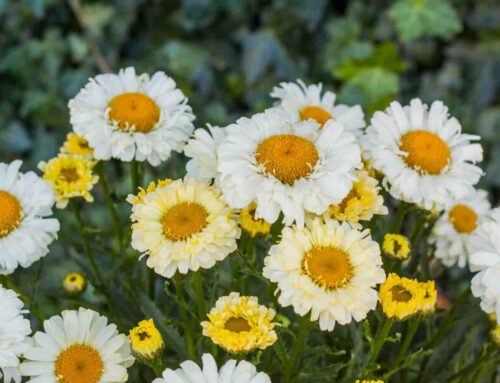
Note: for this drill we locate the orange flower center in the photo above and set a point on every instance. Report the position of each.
(10, 213)
(237, 324)
(427, 152)
(287, 157)
(463, 218)
(328, 267)
(79, 363)
(134, 111)
(316, 113)
(183, 220)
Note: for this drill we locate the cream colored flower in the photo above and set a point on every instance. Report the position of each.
(182, 226)
(326, 270)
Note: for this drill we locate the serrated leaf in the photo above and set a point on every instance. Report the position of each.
(417, 18)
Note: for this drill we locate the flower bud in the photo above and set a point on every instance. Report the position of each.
(147, 342)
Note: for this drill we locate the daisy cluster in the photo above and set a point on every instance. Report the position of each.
(307, 176)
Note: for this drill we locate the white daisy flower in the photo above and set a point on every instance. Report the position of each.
(423, 154)
(452, 230)
(286, 167)
(326, 270)
(183, 225)
(79, 346)
(484, 248)
(127, 116)
(14, 332)
(25, 231)
(202, 149)
(231, 372)
(302, 102)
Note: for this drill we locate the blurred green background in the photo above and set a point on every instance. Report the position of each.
(227, 55)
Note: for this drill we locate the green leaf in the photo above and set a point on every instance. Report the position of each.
(384, 57)
(417, 18)
(149, 308)
(376, 83)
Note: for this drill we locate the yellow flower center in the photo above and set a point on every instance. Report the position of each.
(237, 324)
(427, 152)
(317, 113)
(463, 218)
(70, 174)
(183, 220)
(400, 294)
(287, 157)
(135, 110)
(10, 213)
(328, 267)
(79, 363)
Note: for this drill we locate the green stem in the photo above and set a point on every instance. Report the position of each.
(188, 335)
(419, 229)
(151, 283)
(403, 208)
(134, 173)
(380, 340)
(292, 365)
(443, 329)
(200, 294)
(410, 334)
(113, 211)
(86, 244)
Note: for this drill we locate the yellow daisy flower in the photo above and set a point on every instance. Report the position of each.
(239, 324)
(77, 146)
(362, 202)
(401, 298)
(430, 296)
(74, 283)
(396, 246)
(146, 341)
(70, 177)
(250, 224)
